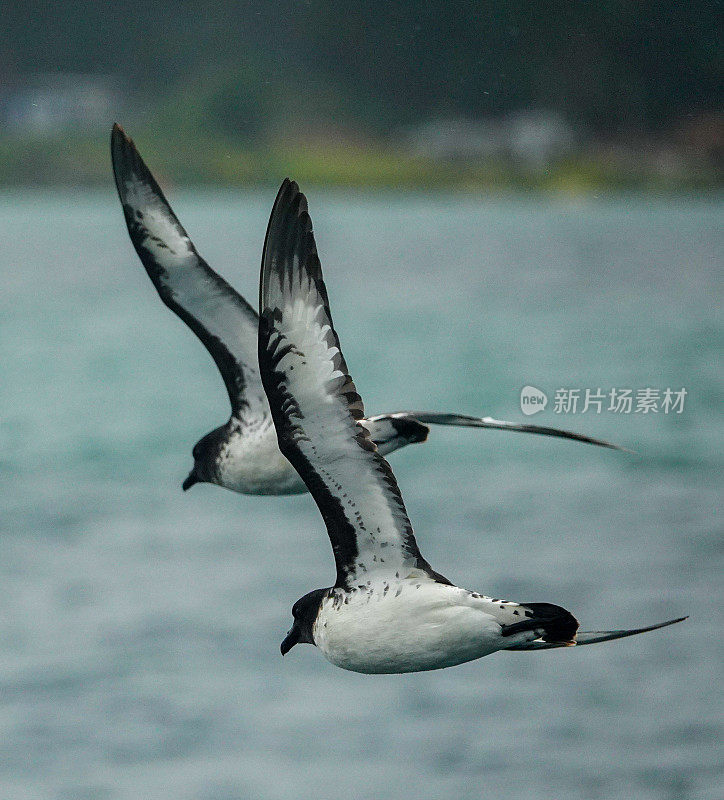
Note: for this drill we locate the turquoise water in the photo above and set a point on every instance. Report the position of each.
(140, 626)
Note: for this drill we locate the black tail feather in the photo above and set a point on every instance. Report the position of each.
(410, 429)
(558, 625)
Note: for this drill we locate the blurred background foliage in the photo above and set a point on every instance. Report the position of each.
(506, 94)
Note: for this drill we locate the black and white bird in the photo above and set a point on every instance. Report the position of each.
(242, 455)
(388, 611)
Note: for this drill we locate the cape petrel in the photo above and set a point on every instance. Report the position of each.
(389, 610)
(242, 455)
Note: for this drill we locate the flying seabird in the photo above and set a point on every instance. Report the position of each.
(242, 455)
(389, 610)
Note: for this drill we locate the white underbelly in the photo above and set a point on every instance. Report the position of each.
(414, 630)
(255, 465)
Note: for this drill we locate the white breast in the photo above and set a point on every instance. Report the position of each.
(407, 626)
(251, 463)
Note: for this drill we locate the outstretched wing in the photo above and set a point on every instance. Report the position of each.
(380, 421)
(316, 408)
(594, 637)
(226, 324)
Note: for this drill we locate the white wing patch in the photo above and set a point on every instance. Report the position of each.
(162, 235)
(327, 436)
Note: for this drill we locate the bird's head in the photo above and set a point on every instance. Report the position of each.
(305, 612)
(206, 454)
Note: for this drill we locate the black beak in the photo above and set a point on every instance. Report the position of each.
(291, 640)
(190, 480)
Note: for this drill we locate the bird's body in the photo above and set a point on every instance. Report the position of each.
(412, 624)
(242, 455)
(250, 462)
(247, 459)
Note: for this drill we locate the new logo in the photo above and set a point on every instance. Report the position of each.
(532, 400)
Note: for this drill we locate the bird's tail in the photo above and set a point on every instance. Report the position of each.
(392, 431)
(592, 637)
(552, 624)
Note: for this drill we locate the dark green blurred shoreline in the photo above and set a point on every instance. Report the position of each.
(193, 161)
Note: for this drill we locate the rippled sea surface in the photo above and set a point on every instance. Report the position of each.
(140, 626)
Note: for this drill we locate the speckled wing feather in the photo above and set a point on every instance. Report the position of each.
(225, 323)
(316, 409)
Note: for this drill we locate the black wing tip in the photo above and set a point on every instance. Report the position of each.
(290, 202)
(129, 167)
(128, 164)
(125, 159)
(655, 626)
(122, 146)
(289, 232)
(672, 621)
(288, 192)
(573, 436)
(594, 637)
(117, 131)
